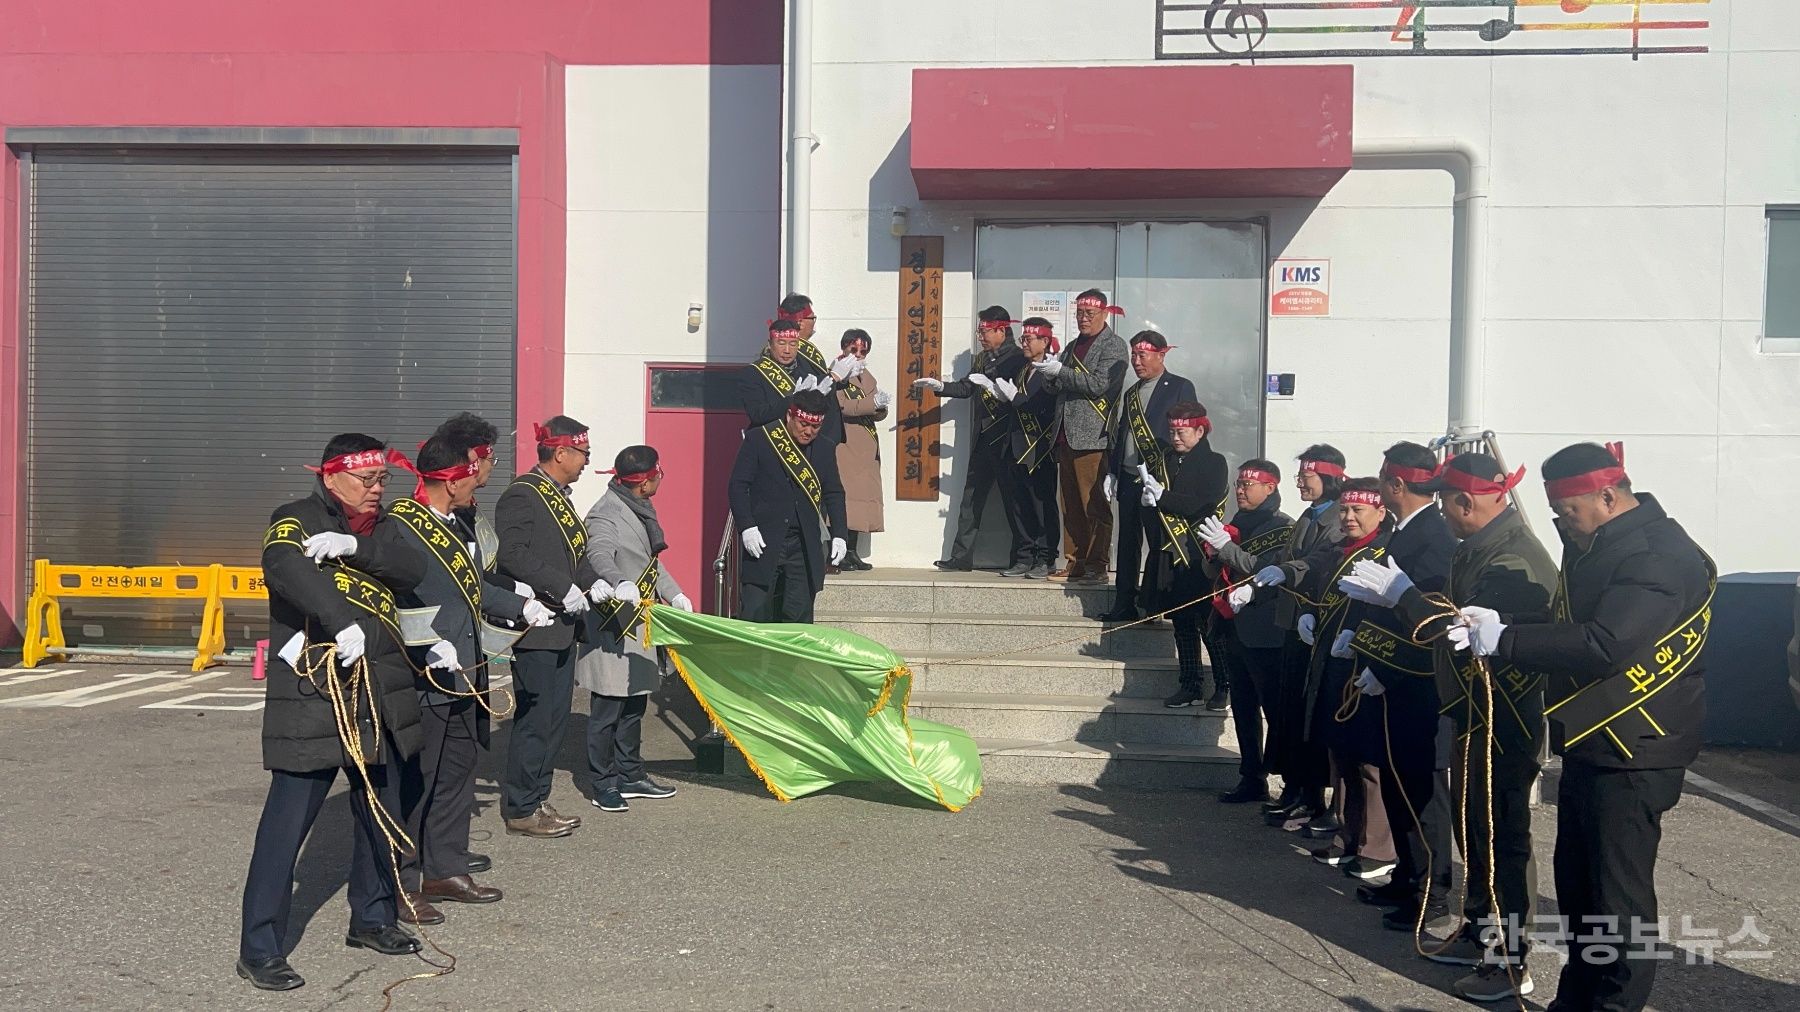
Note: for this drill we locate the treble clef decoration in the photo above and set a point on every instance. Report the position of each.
(1245, 25)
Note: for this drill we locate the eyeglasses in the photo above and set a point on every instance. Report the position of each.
(1249, 484)
(584, 451)
(371, 480)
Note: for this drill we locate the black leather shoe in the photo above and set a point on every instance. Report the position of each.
(1290, 796)
(953, 566)
(388, 940)
(1394, 894)
(273, 974)
(1248, 789)
(479, 863)
(1123, 613)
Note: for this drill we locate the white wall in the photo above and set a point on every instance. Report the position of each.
(1625, 257)
(674, 176)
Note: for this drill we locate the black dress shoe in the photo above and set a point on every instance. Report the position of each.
(1123, 613)
(479, 863)
(1248, 789)
(1290, 796)
(272, 974)
(1394, 894)
(953, 566)
(388, 940)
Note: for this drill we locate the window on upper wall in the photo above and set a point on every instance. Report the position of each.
(1781, 299)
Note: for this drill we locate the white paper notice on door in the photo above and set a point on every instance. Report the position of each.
(1052, 306)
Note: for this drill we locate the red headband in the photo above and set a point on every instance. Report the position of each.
(1324, 467)
(1592, 481)
(363, 458)
(1411, 475)
(783, 326)
(1257, 474)
(635, 478)
(1463, 481)
(1043, 330)
(996, 324)
(1201, 422)
(484, 451)
(1095, 302)
(805, 416)
(455, 472)
(1359, 496)
(1147, 346)
(577, 441)
(804, 314)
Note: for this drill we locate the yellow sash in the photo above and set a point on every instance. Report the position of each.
(358, 587)
(610, 611)
(574, 534)
(444, 545)
(798, 468)
(777, 376)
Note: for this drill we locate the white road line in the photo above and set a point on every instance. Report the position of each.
(36, 675)
(183, 683)
(190, 702)
(76, 697)
(1757, 805)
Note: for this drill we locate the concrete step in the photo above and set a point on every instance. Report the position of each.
(979, 634)
(1107, 764)
(1139, 678)
(1077, 718)
(928, 590)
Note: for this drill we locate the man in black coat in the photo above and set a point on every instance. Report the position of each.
(991, 462)
(786, 498)
(1037, 419)
(1199, 482)
(332, 567)
(544, 546)
(1140, 438)
(1621, 646)
(790, 363)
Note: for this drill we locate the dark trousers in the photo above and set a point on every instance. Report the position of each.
(1297, 753)
(1133, 516)
(293, 803)
(990, 465)
(1188, 622)
(437, 792)
(1255, 674)
(789, 595)
(1039, 519)
(1413, 791)
(1514, 866)
(615, 739)
(543, 688)
(1608, 827)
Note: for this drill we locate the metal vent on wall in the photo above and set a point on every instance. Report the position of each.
(202, 320)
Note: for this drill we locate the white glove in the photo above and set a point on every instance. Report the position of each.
(1149, 480)
(1110, 486)
(538, 614)
(841, 369)
(1340, 647)
(1368, 684)
(442, 655)
(329, 545)
(681, 601)
(1212, 531)
(1269, 576)
(1305, 628)
(982, 380)
(575, 602)
(601, 592)
(753, 542)
(1151, 495)
(1379, 583)
(524, 590)
(858, 367)
(627, 593)
(1482, 633)
(936, 386)
(811, 383)
(1048, 366)
(838, 548)
(1005, 389)
(1239, 597)
(350, 642)
(882, 399)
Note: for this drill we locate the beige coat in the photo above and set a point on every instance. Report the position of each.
(859, 458)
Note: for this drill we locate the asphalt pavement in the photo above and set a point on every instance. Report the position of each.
(131, 803)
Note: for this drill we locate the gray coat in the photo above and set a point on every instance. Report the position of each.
(1104, 376)
(1305, 539)
(619, 548)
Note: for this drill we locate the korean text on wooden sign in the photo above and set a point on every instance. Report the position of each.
(921, 356)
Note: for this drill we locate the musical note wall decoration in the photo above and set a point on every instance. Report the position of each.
(1252, 30)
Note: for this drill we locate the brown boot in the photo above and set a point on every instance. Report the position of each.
(540, 825)
(574, 821)
(416, 909)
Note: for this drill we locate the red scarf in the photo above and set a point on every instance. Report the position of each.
(1352, 547)
(1219, 603)
(361, 524)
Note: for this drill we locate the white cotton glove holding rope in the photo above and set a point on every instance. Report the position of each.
(1048, 366)
(1109, 486)
(1340, 647)
(681, 601)
(1153, 489)
(1481, 634)
(753, 542)
(1270, 576)
(442, 655)
(538, 614)
(838, 548)
(1212, 531)
(982, 380)
(882, 400)
(575, 602)
(1006, 389)
(1368, 684)
(1239, 597)
(1305, 628)
(350, 643)
(930, 383)
(601, 592)
(1380, 583)
(329, 545)
(843, 368)
(627, 593)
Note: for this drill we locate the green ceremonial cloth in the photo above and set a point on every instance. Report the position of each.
(810, 706)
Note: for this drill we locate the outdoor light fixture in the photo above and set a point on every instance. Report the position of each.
(693, 317)
(898, 224)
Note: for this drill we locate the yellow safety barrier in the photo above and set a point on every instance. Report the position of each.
(214, 584)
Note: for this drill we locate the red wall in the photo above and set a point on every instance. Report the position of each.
(338, 63)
